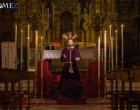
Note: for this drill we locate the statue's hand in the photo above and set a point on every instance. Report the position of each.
(77, 59)
(64, 55)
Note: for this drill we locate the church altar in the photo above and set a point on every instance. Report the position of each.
(89, 77)
(55, 54)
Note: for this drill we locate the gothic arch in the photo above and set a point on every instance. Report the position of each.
(66, 22)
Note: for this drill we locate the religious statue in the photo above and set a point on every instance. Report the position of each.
(70, 57)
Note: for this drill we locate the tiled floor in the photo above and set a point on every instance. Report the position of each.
(92, 104)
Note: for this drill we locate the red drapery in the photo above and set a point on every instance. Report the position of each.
(44, 82)
(92, 83)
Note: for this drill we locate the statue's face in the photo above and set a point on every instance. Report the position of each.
(70, 43)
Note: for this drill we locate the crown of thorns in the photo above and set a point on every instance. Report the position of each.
(69, 35)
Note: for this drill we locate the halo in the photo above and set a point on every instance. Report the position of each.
(68, 35)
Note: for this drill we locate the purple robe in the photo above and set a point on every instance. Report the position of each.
(69, 61)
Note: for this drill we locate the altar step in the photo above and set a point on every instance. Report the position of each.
(71, 101)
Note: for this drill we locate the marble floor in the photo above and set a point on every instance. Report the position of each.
(92, 104)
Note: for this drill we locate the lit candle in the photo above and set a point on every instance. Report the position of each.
(99, 67)
(36, 49)
(28, 48)
(21, 51)
(41, 56)
(36, 54)
(105, 51)
(98, 57)
(15, 46)
(122, 44)
(116, 34)
(112, 62)
(41, 66)
(110, 31)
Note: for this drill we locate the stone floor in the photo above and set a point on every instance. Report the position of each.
(92, 104)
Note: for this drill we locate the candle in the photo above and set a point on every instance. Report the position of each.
(15, 46)
(36, 54)
(98, 57)
(41, 66)
(112, 63)
(99, 67)
(21, 51)
(36, 49)
(110, 31)
(105, 51)
(116, 35)
(41, 56)
(122, 44)
(28, 47)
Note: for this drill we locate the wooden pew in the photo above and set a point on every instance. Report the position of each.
(110, 75)
(130, 77)
(9, 95)
(115, 76)
(134, 98)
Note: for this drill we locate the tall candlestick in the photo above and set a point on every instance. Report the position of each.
(122, 45)
(15, 46)
(99, 66)
(21, 51)
(116, 34)
(28, 48)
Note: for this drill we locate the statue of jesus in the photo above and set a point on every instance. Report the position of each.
(70, 57)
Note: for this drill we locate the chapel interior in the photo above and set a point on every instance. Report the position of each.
(31, 39)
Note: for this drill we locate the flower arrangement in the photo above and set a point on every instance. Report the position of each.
(72, 88)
